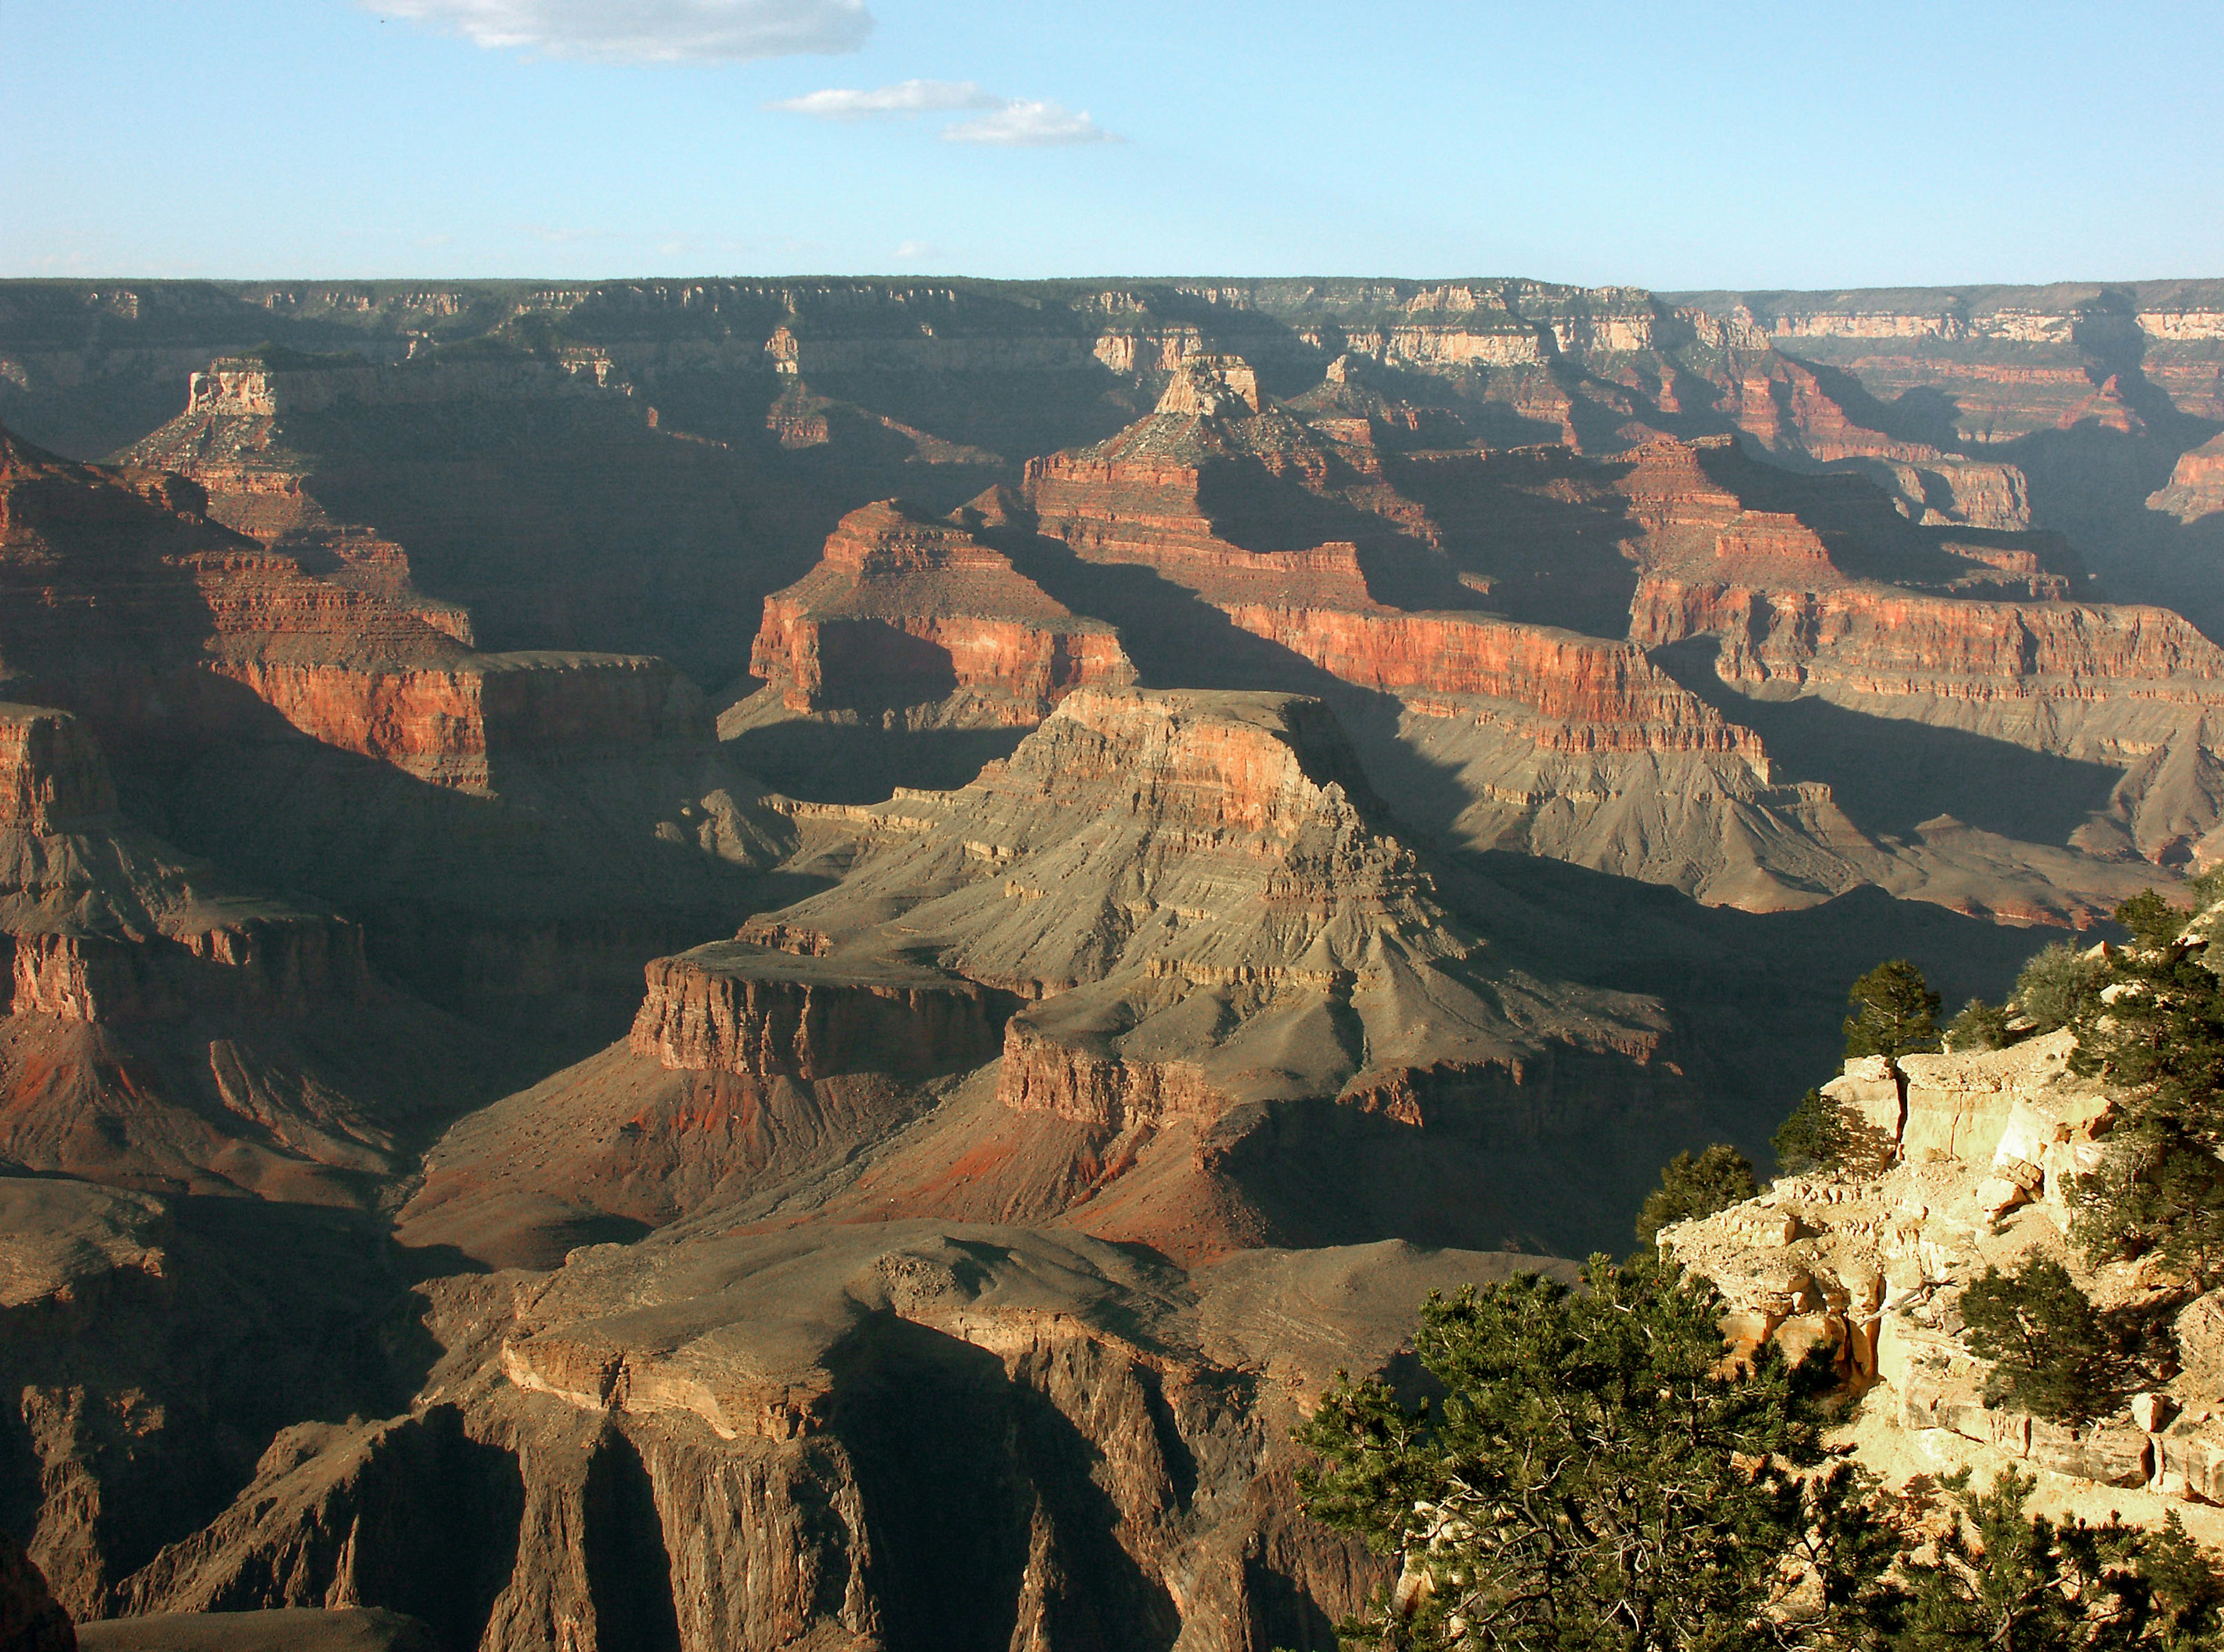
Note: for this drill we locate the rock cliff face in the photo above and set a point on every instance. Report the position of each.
(250, 691)
(201, 607)
(51, 773)
(163, 1028)
(2195, 488)
(2134, 689)
(1870, 1266)
(904, 612)
(733, 1008)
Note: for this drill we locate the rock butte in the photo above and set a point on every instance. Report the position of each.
(902, 611)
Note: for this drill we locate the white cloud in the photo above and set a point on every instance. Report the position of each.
(1008, 120)
(646, 31)
(1023, 122)
(907, 97)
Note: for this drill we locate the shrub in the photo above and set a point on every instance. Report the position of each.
(1815, 1136)
(1593, 1478)
(2159, 1040)
(1719, 1178)
(2059, 987)
(1980, 1026)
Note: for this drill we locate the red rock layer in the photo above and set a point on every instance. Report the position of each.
(1877, 640)
(901, 610)
(1688, 516)
(703, 1014)
(1118, 509)
(1153, 757)
(114, 602)
(2196, 484)
(1587, 694)
(292, 965)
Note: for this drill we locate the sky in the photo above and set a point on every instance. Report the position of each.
(1667, 145)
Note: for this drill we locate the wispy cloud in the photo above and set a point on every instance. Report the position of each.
(1025, 123)
(1007, 120)
(646, 31)
(906, 98)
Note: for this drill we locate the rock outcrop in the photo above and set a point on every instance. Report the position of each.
(2195, 488)
(1979, 1152)
(2133, 689)
(717, 1442)
(904, 613)
(765, 1014)
(163, 1028)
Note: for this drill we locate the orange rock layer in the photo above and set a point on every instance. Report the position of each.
(900, 611)
(1108, 1093)
(50, 771)
(118, 601)
(291, 965)
(1587, 694)
(1876, 640)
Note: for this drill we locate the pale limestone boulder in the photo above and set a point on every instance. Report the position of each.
(2152, 1412)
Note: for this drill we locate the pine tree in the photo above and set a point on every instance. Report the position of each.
(1895, 1012)
(1592, 1478)
(2052, 1356)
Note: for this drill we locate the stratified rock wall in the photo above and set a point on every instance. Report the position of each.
(902, 611)
(738, 1008)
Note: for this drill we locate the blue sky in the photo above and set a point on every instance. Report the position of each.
(1664, 145)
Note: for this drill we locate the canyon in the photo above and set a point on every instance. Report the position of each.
(780, 962)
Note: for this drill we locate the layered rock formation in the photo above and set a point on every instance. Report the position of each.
(2133, 689)
(2195, 488)
(1553, 741)
(163, 1029)
(140, 611)
(904, 613)
(315, 731)
(716, 1440)
(1184, 961)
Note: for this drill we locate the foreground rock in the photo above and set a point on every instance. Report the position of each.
(1871, 1267)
